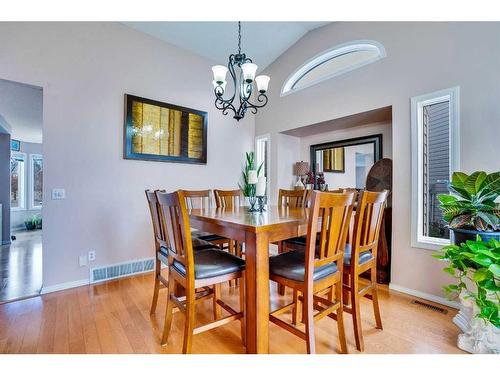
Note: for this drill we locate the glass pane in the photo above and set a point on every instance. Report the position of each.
(37, 181)
(335, 65)
(14, 183)
(436, 166)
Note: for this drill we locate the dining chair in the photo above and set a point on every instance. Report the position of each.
(160, 247)
(201, 199)
(292, 199)
(317, 270)
(195, 270)
(361, 256)
(228, 199)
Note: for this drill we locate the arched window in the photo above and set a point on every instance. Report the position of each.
(333, 62)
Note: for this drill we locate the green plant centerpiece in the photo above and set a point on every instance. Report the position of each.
(475, 265)
(248, 189)
(471, 208)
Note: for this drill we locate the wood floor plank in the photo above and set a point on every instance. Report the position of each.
(113, 317)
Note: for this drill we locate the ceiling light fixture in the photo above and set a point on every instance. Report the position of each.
(242, 71)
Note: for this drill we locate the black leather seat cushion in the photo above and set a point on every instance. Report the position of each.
(291, 266)
(212, 263)
(363, 257)
(208, 236)
(297, 241)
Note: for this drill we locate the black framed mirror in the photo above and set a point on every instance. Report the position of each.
(346, 163)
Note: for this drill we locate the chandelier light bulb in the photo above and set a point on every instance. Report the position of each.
(262, 83)
(249, 70)
(220, 72)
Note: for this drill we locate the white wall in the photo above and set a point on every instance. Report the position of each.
(421, 58)
(17, 217)
(85, 69)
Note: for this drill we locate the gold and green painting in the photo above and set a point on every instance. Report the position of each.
(333, 160)
(164, 132)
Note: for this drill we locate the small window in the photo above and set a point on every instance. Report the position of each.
(37, 181)
(435, 131)
(333, 62)
(262, 156)
(17, 178)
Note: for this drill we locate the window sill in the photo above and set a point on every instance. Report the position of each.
(432, 245)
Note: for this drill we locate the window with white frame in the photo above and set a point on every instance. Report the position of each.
(17, 181)
(36, 181)
(435, 156)
(262, 156)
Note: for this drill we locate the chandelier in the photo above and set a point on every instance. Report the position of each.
(242, 71)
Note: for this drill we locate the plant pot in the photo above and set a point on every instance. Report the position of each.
(479, 336)
(29, 225)
(309, 186)
(460, 235)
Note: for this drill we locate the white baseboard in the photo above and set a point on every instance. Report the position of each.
(63, 286)
(427, 296)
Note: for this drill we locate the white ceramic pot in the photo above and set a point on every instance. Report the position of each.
(479, 336)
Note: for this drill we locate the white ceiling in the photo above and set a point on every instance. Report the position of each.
(21, 111)
(263, 42)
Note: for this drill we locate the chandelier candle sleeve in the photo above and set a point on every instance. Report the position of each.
(252, 177)
(261, 187)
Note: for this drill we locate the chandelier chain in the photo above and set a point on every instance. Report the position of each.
(239, 37)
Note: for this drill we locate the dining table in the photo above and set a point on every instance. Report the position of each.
(256, 230)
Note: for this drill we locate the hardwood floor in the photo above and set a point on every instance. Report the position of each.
(21, 266)
(114, 318)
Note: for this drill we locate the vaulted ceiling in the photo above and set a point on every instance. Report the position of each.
(263, 42)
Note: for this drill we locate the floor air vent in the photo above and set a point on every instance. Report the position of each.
(429, 306)
(116, 271)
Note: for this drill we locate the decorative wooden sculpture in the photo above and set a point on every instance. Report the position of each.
(380, 178)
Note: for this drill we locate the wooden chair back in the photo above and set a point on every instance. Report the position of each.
(228, 199)
(155, 218)
(197, 199)
(177, 231)
(331, 212)
(293, 198)
(368, 219)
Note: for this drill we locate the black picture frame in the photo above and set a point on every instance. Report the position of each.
(128, 133)
(376, 140)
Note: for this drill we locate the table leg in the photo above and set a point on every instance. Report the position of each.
(257, 292)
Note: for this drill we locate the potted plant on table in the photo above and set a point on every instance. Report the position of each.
(249, 177)
(310, 180)
(476, 267)
(471, 208)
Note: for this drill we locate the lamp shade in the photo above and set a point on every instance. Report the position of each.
(249, 70)
(301, 168)
(220, 72)
(262, 83)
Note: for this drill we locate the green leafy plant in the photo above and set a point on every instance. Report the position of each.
(472, 202)
(478, 262)
(249, 189)
(35, 222)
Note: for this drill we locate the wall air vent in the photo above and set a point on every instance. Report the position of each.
(116, 271)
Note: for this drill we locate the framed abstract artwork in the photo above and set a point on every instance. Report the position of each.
(159, 131)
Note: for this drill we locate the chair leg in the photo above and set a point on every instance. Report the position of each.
(156, 289)
(340, 317)
(216, 307)
(230, 249)
(189, 323)
(242, 309)
(376, 308)
(296, 307)
(309, 322)
(168, 313)
(356, 314)
(281, 288)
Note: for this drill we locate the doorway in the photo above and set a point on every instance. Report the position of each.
(21, 180)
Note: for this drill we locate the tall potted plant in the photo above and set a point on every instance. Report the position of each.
(471, 208)
(476, 267)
